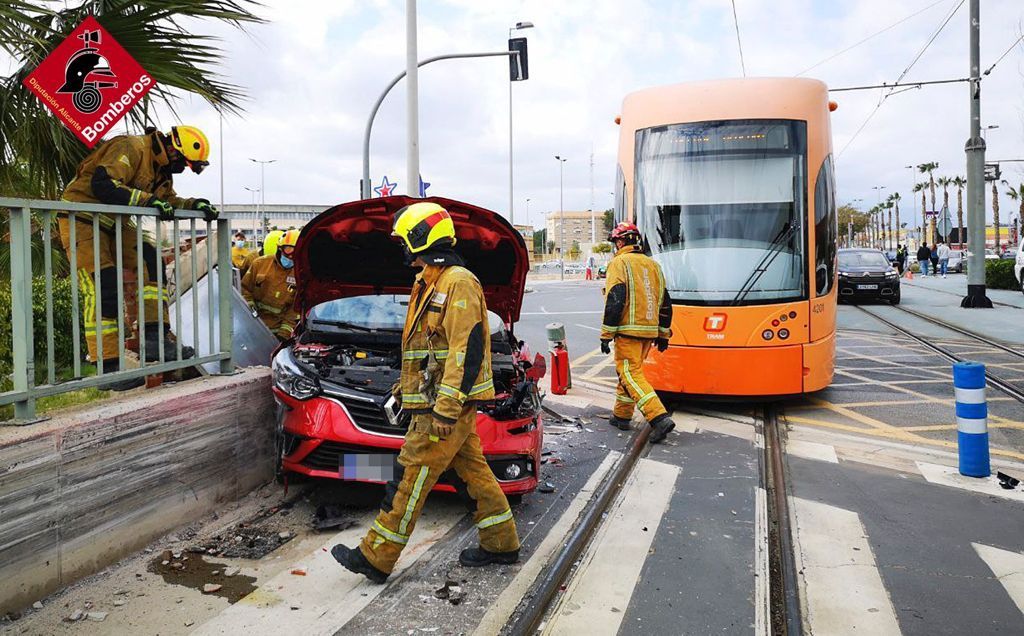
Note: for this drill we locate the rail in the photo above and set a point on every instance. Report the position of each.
(31, 218)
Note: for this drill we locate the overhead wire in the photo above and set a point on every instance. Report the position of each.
(870, 37)
(739, 42)
(910, 66)
(1003, 55)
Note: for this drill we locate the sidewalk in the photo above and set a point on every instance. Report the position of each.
(957, 284)
(940, 298)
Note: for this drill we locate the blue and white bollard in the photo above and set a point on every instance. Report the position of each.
(971, 418)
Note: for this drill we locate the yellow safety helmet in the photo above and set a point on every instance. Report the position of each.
(288, 239)
(423, 225)
(193, 146)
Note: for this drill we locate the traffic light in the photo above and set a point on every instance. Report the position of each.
(518, 68)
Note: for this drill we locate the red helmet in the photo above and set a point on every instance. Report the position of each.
(625, 232)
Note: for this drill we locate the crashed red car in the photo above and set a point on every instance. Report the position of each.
(332, 380)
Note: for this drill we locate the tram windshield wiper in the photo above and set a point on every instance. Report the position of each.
(774, 249)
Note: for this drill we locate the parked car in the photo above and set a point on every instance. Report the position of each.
(575, 268)
(866, 274)
(957, 260)
(332, 380)
(1018, 266)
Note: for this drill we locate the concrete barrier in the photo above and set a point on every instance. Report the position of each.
(89, 487)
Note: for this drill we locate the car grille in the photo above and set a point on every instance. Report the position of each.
(870, 278)
(327, 456)
(370, 416)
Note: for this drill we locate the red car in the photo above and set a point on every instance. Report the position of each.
(336, 416)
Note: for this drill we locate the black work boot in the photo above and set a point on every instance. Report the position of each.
(477, 557)
(110, 366)
(662, 426)
(153, 337)
(620, 423)
(354, 561)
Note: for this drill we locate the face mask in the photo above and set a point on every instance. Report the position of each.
(239, 243)
(286, 262)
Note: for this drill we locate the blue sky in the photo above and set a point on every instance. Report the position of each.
(314, 70)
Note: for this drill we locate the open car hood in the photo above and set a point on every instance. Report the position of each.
(348, 251)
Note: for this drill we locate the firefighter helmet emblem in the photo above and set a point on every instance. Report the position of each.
(86, 73)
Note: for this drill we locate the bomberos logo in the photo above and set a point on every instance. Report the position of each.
(89, 81)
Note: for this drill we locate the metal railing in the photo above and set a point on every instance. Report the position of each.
(117, 221)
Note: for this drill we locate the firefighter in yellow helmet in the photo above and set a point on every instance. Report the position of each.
(446, 370)
(271, 241)
(637, 316)
(269, 287)
(135, 170)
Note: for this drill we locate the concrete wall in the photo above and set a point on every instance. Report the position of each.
(86, 488)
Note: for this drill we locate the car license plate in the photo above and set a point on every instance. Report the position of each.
(367, 466)
(867, 286)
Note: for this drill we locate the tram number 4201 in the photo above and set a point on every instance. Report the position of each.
(818, 308)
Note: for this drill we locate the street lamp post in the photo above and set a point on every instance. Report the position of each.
(263, 188)
(511, 205)
(256, 210)
(561, 220)
(975, 151)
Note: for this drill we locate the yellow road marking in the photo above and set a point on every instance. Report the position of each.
(586, 356)
(597, 368)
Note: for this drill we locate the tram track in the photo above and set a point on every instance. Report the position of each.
(781, 611)
(1007, 387)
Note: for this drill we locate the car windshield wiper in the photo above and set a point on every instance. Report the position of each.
(341, 324)
(774, 249)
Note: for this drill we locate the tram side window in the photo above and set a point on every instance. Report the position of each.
(825, 228)
(620, 196)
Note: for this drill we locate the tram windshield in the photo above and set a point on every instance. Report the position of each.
(721, 205)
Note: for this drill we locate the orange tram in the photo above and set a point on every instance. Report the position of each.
(732, 185)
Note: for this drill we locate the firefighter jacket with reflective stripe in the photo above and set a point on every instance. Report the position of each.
(239, 255)
(446, 344)
(126, 170)
(636, 301)
(270, 289)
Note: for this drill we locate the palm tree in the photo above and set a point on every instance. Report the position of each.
(995, 212)
(929, 168)
(162, 37)
(960, 184)
(895, 198)
(944, 182)
(922, 188)
(888, 234)
(1016, 194)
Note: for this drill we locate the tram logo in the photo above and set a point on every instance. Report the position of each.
(89, 81)
(715, 323)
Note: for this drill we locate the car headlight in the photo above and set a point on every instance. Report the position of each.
(292, 378)
(891, 275)
(843, 275)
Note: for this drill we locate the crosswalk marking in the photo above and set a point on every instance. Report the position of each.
(501, 609)
(328, 596)
(840, 584)
(812, 450)
(596, 599)
(1009, 569)
(949, 476)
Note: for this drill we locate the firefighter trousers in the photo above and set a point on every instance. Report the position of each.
(424, 457)
(634, 389)
(87, 244)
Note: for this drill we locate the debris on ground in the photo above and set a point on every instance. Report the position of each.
(451, 592)
(76, 615)
(198, 574)
(547, 487)
(97, 616)
(210, 588)
(37, 605)
(299, 572)
(1007, 482)
(332, 517)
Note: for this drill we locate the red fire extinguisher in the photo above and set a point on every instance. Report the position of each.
(561, 375)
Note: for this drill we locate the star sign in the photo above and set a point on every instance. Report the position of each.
(385, 188)
(423, 187)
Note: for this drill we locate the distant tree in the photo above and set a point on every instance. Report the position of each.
(995, 212)
(574, 251)
(923, 189)
(609, 219)
(539, 239)
(960, 183)
(603, 248)
(551, 247)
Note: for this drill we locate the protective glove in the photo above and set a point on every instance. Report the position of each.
(661, 344)
(606, 346)
(165, 209)
(210, 213)
(441, 429)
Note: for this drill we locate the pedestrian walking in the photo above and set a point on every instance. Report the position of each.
(935, 259)
(943, 256)
(446, 371)
(135, 170)
(637, 316)
(924, 256)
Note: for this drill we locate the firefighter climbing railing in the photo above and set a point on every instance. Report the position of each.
(126, 244)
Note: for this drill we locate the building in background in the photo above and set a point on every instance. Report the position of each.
(527, 232)
(577, 229)
(245, 218)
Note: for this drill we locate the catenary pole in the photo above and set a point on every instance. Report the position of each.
(975, 149)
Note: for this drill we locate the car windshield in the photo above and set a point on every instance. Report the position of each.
(721, 207)
(385, 312)
(862, 259)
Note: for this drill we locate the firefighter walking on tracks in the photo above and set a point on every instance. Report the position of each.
(446, 370)
(269, 287)
(637, 316)
(132, 170)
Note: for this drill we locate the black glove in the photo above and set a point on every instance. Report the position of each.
(210, 213)
(606, 346)
(661, 344)
(164, 208)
